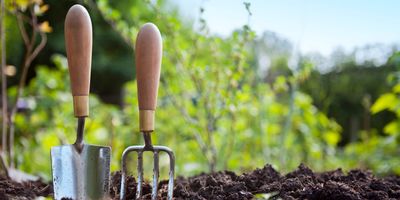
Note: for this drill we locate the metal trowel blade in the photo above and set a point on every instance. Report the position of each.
(81, 174)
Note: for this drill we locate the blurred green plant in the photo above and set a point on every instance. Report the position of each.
(247, 135)
(375, 151)
(379, 150)
(26, 13)
(214, 110)
(218, 108)
(48, 119)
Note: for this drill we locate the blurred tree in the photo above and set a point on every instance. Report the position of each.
(271, 54)
(213, 109)
(379, 151)
(112, 57)
(216, 109)
(26, 14)
(347, 91)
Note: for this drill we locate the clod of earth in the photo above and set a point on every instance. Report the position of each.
(29, 190)
(302, 183)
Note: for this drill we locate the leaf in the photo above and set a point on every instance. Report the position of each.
(45, 27)
(43, 8)
(247, 5)
(386, 101)
(22, 4)
(392, 128)
(270, 195)
(280, 84)
(396, 88)
(332, 138)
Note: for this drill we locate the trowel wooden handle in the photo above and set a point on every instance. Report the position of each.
(148, 53)
(78, 42)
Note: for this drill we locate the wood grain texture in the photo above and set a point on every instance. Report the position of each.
(78, 43)
(148, 53)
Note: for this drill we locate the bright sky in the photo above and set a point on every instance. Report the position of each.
(316, 25)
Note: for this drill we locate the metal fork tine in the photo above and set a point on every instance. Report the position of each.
(123, 173)
(171, 169)
(171, 174)
(123, 181)
(155, 176)
(156, 170)
(140, 175)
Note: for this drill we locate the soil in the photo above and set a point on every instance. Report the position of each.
(265, 183)
(20, 191)
(302, 183)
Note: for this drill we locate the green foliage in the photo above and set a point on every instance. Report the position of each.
(214, 109)
(388, 101)
(379, 152)
(49, 120)
(247, 134)
(348, 94)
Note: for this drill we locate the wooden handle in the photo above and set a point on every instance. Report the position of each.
(148, 65)
(78, 42)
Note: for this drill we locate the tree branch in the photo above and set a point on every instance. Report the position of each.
(22, 29)
(39, 47)
(30, 55)
(3, 89)
(113, 24)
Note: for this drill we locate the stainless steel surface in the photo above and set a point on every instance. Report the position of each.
(155, 175)
(140, 150)
(81, 175)
(81, 171)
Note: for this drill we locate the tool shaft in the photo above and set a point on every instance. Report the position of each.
(79, 134)
(147, 140)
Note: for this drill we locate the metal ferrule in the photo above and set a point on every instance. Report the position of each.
(81, 106)
(146, 120)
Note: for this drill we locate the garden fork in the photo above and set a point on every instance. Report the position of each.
(148, 55)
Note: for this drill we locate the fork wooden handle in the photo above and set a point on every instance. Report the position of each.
(148, 53)
(78, 43)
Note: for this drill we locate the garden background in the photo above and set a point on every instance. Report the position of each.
(235, 101)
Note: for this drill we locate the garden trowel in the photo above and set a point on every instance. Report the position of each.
(80, 171)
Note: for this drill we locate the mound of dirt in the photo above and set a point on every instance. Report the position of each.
(29, 190)
(302, 183)
(265, 183)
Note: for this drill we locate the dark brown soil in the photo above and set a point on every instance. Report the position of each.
(299, 184)
(29, 190)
